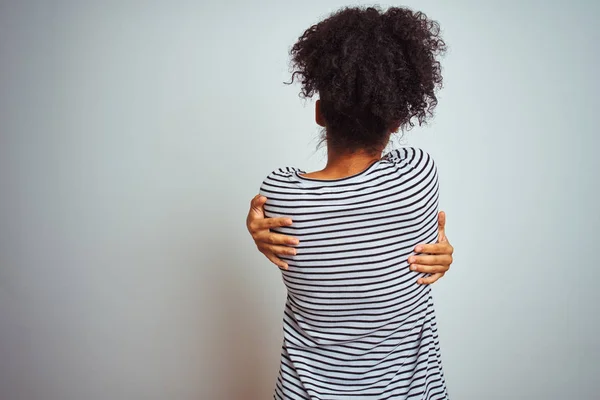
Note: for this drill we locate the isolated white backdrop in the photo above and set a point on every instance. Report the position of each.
(134, 134)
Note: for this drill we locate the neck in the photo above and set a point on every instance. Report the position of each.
(349, 163)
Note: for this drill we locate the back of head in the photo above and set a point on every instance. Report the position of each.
(374, 71)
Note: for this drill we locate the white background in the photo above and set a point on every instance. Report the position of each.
(133, 136)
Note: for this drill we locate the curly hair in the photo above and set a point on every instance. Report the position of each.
(374, 71)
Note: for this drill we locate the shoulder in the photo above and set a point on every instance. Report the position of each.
(285, 177)
(412, 157)
(283, 174)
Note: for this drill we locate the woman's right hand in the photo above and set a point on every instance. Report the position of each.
(269, 243)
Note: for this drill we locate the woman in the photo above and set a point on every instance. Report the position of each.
(357, 324)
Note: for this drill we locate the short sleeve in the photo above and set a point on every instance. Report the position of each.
(418, 170)
(279, 179)
(413, 157)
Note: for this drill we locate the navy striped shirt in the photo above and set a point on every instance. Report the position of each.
(356, 323)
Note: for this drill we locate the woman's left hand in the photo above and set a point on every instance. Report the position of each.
(436, 258)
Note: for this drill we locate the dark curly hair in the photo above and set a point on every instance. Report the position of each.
(374, 71)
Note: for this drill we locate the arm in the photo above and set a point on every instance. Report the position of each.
(435, 261)
(437, 258)
(269, 243)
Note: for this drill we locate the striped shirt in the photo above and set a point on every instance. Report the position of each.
(356, 323)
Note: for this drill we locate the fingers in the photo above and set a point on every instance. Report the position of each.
(266, 237)
(268, 223)
(443, 259)
(256, 216)
(256, 212)
(430, 269)
(427, 259)
(437, 257)
(276, 260)
(258, 201)
(259, 221)
(430, 279)
(256, 206)
(269, 243)
(278, 250)
(435, 248)
(441, 226)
